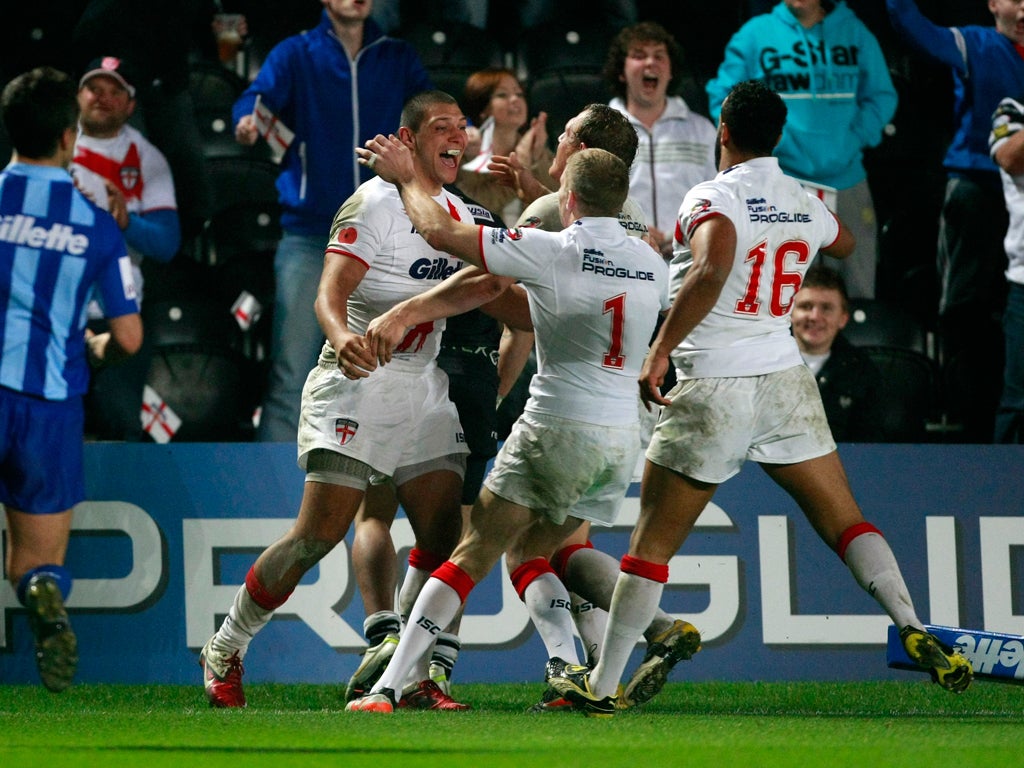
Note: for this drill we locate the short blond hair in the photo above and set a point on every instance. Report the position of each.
(600, 181)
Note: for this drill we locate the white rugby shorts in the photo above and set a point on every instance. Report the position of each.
(715, 424)
(397, 416)
(559, 467)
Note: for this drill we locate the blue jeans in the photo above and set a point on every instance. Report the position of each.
(1010, 416)
(296, 335)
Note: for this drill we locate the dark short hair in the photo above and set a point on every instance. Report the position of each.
(37, 107)
(820, 275)
(618, 52)
(604, 127)
(415, 110)
(599, 179)
(755, 115)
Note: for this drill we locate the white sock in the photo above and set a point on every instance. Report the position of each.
(548, 603)
(591, 622)
(874, 566)
(434, 609)
(243, 621)
(633, 605)
(591, 574)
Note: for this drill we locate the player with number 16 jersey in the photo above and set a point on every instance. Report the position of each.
(747, 333)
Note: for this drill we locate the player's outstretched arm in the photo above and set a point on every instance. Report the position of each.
(467, 289)
(393, 162)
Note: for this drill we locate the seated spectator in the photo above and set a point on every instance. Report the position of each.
(494, 101)
(849, 383)
(124, 173)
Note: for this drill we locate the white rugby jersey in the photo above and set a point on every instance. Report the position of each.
(779, 230)
(1008, 120)
(595, 294)
(372, 227)
(131, 163)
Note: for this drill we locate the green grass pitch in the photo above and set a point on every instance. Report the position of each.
(910, 724)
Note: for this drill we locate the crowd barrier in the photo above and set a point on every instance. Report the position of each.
(169, 531)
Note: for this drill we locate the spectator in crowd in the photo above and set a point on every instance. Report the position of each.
(359, 428)
(125, 174)
(987, 65)
(831, 72)
(325, 85)
(44, 285)
(158, 37)
(1007, 143)
(677, 145)
(848, 382)
(744, 389)
(495, 102)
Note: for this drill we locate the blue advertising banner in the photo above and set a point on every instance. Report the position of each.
(169, 531)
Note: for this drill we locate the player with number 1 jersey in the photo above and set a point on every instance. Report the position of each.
(595, 294)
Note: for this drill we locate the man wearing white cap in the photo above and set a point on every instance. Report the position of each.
(121, 170)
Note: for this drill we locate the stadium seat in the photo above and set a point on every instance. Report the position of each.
(911, 393)
(199, 371)
(580, 48)
(237, 180)
(214, 90)
(453, 52)
(562, 94)
(875, 322)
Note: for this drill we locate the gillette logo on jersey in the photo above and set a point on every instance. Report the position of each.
(434, 269)
(594, 261)
(760, 210)
(22, 230)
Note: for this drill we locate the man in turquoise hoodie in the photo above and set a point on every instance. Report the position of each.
(831, 73)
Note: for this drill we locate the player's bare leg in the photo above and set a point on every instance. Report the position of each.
(36, 548)
(324, 516)
(821, 488)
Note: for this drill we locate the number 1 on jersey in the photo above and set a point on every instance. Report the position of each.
(617, 306)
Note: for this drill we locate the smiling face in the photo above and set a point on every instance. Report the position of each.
(647, 72)
(439, 142)
(105, 106)
(508, 103)
(818, 315)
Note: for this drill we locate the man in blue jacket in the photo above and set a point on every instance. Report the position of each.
(987, 65)
(334, 86)
(830, 71)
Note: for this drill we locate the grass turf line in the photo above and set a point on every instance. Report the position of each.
(697, 724)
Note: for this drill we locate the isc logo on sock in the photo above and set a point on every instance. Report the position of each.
(428, 625)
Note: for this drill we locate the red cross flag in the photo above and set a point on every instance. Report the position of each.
(278, 135)
(157, 417)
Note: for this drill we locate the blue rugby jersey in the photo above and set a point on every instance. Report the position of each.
(57, 250)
